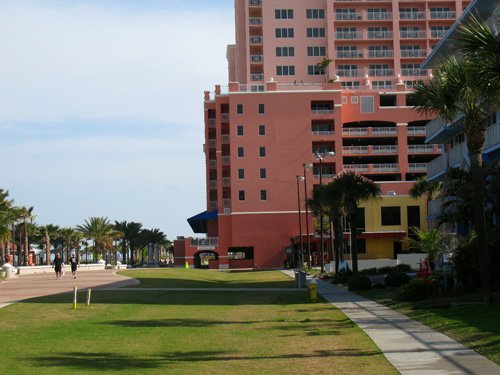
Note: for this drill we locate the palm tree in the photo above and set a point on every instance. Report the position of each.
(454, 92)
(152, 237)
(48, 231)
(354, 189)
(100, 230)
(131, 237)
(423, 187)
(432, 242)
(323, 66)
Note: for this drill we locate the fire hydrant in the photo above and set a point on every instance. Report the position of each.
(313, 290)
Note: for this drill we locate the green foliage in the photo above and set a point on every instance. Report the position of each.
(359, 282)
(342, 277)
(402, 268)
(396, 279)
(417, 290)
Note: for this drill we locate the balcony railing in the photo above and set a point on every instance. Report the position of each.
(442, 15)
(437, 166)
(255, 21)
(385, 168)
(379, 35)
(226, 202)
(224, 117)
(425, 149)
(226, 160)
(355, 150)
(389, 149)
(211, 122)
(255, 40)
(212, 205)
(350, 54)
(323, 132)
(413, 72)
(416, 130)
(212, 143)
(380, 72)
(347, 16)
(380, 54)
(225, 138)
(458, 155)
(357, 167)
(212, 163)
(412, 34)
(355, 131)
(413, 53)
(226, 181)
(417, 167)
(348, 35)
(370, 150)
(372, 168)
(350, 73)
(256, 58)
(384, 131)
(382, 85)
(210, 241)
(378, 16)
(411, 15)
(212, 184)
(255, 3)
(369, 131)
(492, 136)
(438, 33)
(256, 76)
(322, 111)
(434, 207)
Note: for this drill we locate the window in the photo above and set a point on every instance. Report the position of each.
(239, 130)
(262, 129)
(315, 70)
(241, 195)
(349, 52)
(347, 70)
(262, 109)
(285, 51)
(316, 51)
(262, 152)
(439, 31)
(283, 14)
(413, 216)
(285, 70)
(347, 33)
(315, 32)
(241, 173)
(377, 14)
(378, 32)
(284, 32)
(241, 152)
(391, 215)
(239, 109)
(263, 195)
(315, 13)
(346, 14)
(263, 173)
(349, 85)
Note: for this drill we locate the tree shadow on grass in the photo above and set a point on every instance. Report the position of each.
(113, 361)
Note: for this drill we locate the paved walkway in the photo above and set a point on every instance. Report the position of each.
(29, 286)
(412, 347)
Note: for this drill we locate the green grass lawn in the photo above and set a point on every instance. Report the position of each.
(464, 318)
(196, 278)
(208, 332)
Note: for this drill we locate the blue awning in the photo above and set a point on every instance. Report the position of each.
(198, 222)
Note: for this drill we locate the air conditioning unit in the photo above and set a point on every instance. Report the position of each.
(227, 210)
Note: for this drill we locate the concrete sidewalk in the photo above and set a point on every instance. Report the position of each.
(37, 285)
(412, 347)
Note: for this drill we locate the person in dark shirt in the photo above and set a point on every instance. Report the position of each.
(58, 265)
(74, 264)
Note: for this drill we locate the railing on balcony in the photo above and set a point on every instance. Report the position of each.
(348, 35)
(412, 34)
(442, 15)
(350, 54)
(458, 155)
(380, 54)
(210, 241)
(347, 16)
(379, 35)
(392, 167)
(226, 202)
(385, 149)
(417, 167)
(434, 207)
(416, 130)
(380, 72)
(413, 53)
(212, 205)
(224, 117)
(492, 136)
(226, 160)
(322, 111)
(355, 131)
(357, 167)
(212, 142)
(373, 168)
(212, 184)
(384, 131)
(412, 15)
(255, 21)
(355, 150)
(226, 181)
(350, 73)
(438, 33)
(378, 16)
(323, 132)
(225, 138)
(437, 166)
(256, 76)
(255, 3)
(382, 85)
(256, 58)
(212, 163)
(255, 40)
(211, 122)
(425, 149)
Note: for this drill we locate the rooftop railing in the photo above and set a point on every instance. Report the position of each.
(210, 241)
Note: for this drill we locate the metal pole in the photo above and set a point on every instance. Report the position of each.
(300, 225)
(307, 219)
(322, 250)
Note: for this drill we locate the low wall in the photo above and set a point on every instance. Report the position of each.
(412, 259)
(27, 270)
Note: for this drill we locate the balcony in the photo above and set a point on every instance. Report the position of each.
(413, 53)
(255, 3)
(348, 35)
(224, 117)
(382, 85)
(323, 132)
(255, 21)
(378, 16)
(212, 163)
(438, 34)
(380, 72)
(212, 205)
(350, 73)
(417, 167)
(458, 156)
(437, 167)
(439, 132)
(411, 15)
(212, 143)
(226, 160)
(370, 150)
(384, 131)
(347, 16)
(226, 181)
(379, 35)
(256, 76)
(369, 132)
(225, 138)
(442, 15)
(372, 168)
(256, 58)
(200, 242)
(255, 40)
(434, 207)
(212, 184)
(226, 202)
(350, 54)
(211, 122)
(416, 130)
(425, 149)
(492, 137)
(413, 72)
(412, 34)
(383, 54)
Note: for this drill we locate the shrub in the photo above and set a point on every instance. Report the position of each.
(402, 268)
(359, 283)
(342, 277)
(386, 269)
(369, 271)
(416, 290)
(396, 279)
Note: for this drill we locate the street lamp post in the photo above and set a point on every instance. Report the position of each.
(320, 157)
(301, 257)
(307, 215)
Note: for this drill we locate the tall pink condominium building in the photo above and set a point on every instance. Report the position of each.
(309, 77)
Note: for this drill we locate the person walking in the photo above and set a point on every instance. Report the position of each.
(58, 265)
(74, 264)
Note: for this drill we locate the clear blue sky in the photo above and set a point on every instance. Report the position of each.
(101, 106)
